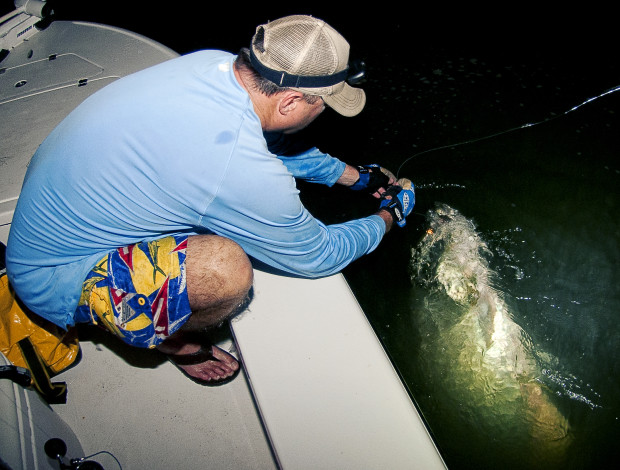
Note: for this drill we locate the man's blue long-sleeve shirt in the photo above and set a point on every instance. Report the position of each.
(176, 148)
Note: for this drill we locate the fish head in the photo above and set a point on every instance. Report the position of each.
(453, 255)
(438, 217)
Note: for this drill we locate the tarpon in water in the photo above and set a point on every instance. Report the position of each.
(489, 361)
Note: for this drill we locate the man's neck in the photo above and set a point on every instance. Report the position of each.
(261, 103)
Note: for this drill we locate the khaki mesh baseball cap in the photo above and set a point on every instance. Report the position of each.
(306, 54)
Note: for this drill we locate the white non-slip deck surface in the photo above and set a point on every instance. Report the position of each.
(136, 405)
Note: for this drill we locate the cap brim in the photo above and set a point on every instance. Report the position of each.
(349, 101)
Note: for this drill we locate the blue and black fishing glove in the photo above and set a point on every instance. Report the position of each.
(399, 200)
(372, 178)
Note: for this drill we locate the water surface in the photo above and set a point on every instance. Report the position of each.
(544, 198)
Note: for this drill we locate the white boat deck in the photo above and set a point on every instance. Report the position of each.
(318, 390)
(139, 407)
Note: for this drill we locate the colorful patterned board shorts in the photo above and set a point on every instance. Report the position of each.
(139, 292)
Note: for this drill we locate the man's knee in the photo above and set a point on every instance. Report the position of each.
(217, 266)
(236, 264)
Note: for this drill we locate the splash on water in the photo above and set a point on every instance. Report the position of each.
(487, 364)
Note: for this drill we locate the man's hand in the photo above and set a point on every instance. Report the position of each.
(399, 200)
(373, 179)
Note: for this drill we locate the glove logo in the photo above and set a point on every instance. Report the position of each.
(405, 201)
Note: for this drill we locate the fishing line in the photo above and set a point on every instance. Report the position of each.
(81, 462)
(607, 92)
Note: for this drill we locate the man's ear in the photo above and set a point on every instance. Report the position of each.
(289, 101)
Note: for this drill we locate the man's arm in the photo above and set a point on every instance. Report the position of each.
(387, 218)
(300, 160)
(372, 179)
(349, 176)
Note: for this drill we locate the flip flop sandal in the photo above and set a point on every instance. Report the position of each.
(204, 354)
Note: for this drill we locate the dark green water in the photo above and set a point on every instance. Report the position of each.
(545, 200)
